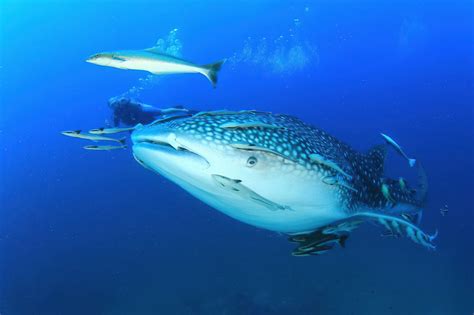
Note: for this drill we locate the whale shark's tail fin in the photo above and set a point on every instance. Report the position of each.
(211, 71)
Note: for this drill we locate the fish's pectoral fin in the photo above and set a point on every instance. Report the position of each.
(118, 58)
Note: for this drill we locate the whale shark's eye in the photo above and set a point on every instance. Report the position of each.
(251, 161)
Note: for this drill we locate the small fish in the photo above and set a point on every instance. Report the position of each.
(343, 184)
(104, 147)
(172, 110)
(344, 227)
(386, 193)
(333, 180)
(322, 160)
(312, 251)
(392, 142)
(154, 61)
(414, 218)
(108, 131)
(402, 183)
(92, 137)
(236, 186)
(444, 211)
(390, 233)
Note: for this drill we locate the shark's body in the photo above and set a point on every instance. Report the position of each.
(154, 61)
(261, 169)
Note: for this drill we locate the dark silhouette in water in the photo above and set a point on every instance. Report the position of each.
(131, 112)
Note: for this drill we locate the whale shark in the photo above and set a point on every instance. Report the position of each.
(276, 172)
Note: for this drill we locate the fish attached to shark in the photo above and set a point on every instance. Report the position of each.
(154, 61)
(278, 173)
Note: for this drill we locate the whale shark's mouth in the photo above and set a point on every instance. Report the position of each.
(164, 146)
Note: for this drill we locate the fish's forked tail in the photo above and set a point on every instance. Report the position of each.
(211, 70)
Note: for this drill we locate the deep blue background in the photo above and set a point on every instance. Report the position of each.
(95, 233)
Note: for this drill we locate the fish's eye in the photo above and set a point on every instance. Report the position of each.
(251, 161)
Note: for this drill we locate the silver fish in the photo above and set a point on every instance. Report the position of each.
(108, 131)
(87, 136)
(154, 61)
(104, 147)
(395, 145)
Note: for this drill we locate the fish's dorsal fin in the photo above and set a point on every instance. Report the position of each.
(155, 50)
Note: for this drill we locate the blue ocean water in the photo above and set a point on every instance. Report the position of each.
(95, 233)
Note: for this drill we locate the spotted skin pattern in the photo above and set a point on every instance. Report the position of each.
(363, 192)
(292, 138)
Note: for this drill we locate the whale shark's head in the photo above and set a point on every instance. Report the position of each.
(249, 165)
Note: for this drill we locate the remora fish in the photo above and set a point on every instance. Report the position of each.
(104, 147)
(249, 172)
(108, 131)
(92, 137)
(395, 145)
(154, 61)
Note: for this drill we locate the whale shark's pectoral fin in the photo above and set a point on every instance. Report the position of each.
(325, 238)
(400, 226)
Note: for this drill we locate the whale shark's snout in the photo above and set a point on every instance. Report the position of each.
(158, 149)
